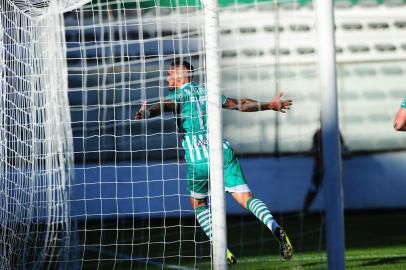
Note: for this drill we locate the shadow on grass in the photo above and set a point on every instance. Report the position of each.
(398, 262)
(386, 261)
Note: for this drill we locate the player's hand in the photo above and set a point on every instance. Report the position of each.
(400, 120)
(141, 112)
(281, 105)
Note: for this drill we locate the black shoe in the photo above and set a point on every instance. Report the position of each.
(231, 260)
(286, 248)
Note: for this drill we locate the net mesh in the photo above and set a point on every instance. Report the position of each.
(130, 200)
(36, 140)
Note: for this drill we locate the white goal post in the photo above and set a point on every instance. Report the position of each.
(215, 134)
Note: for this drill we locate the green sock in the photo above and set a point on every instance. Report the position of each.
(204, 218)
(261, 211)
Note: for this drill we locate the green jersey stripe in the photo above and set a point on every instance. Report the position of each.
(199, 111)
(190, 148)
(198, 156)
(204, 146)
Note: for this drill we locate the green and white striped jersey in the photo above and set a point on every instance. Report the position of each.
(403, 103)
(191, 116)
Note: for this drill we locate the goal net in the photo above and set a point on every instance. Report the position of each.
(35, 135)
(129, 198)
(86, 186)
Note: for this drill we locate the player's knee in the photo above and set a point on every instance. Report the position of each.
(242, 198)
(244, 203)
(197, 202)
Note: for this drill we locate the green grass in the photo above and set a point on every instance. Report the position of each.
(368, 259)
(374, 240)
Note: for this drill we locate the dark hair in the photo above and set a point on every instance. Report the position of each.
(184, 63)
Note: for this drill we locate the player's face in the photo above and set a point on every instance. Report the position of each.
(171, 78)
(177, 76)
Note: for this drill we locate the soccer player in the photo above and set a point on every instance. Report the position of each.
(188, 102)
(400, 120)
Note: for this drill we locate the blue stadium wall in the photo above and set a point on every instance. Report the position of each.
(370, 182)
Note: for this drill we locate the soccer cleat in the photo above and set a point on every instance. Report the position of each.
(231, 260)
(286, 248)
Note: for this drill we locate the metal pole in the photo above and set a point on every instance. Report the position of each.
(215, 125)
(333, 192)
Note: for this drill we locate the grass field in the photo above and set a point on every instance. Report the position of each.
(368, 258)
(374, 240)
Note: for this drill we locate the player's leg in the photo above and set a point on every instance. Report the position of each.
(202, 213)
(198, 188)
(261, 211)
(236, 184)
(203, 217)
(256, 207)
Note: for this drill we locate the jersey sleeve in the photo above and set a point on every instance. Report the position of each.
(403, 105)
(174, 96)
(223, 99)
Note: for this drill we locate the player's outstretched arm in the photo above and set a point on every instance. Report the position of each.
(400, 120)
(250, 105)
(146, 112)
